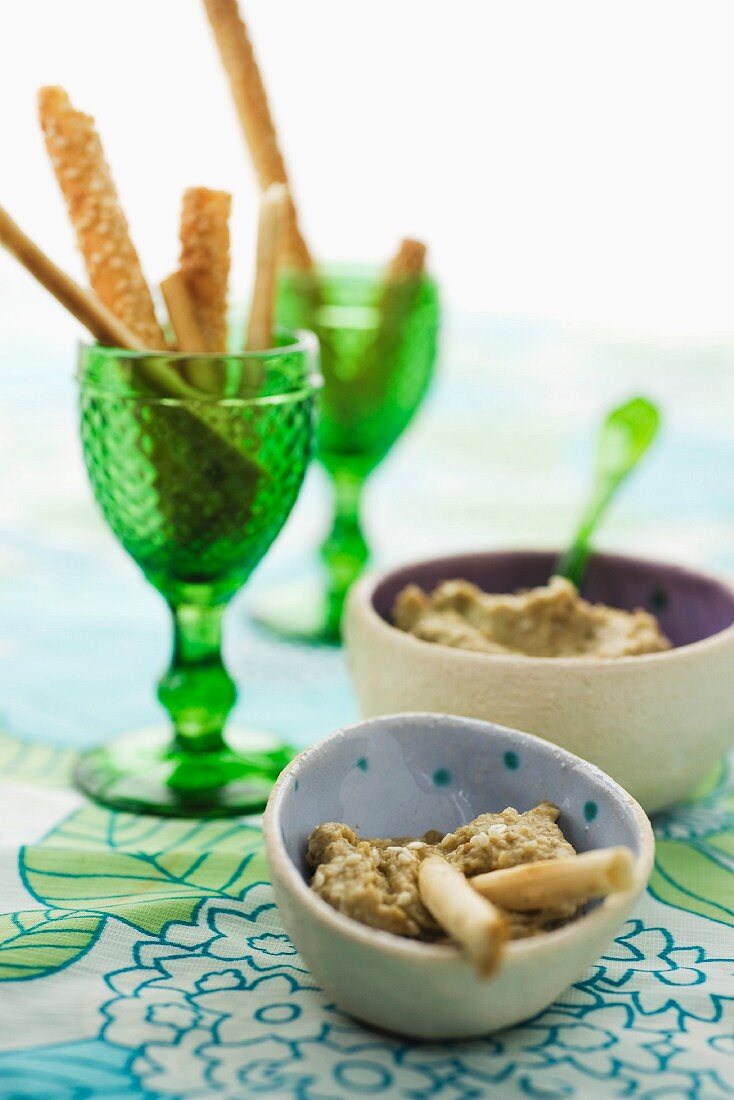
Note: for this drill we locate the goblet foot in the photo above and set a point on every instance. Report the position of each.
(300, 611)
(147, 773)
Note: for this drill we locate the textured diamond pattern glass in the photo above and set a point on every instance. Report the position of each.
(195, 480)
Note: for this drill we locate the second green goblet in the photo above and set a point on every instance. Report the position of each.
(196, 462)
(378, 349)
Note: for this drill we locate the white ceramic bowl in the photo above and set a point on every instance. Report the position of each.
(656, 723)
(403, 775)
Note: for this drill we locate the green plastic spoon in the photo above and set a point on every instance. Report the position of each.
(625, 436)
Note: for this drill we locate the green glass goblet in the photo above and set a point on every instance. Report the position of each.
(196, 462)
(378, 349)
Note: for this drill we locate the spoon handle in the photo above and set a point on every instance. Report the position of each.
(572, 563)
(625, 436)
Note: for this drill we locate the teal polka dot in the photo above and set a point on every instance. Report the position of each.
(590, 810)
(512, 761)
(296, 785)
(442, 777)
(363, 763)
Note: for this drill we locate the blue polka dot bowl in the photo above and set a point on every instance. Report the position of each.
(401, 775)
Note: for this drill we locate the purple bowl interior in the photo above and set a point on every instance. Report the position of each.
(689, 606)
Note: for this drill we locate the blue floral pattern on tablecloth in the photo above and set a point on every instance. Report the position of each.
(225, 1003)
(193, 989)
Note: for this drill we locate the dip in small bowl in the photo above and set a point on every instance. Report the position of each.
(655, 722)
(403, 775)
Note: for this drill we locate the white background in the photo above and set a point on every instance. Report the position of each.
(567, 159)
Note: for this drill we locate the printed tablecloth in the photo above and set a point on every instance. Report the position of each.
(144, 958)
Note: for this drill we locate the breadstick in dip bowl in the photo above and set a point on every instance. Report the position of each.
(479, 930)
(552, 882)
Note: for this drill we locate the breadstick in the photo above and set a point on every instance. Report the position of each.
(479, 930)
(181, 313)
(408, 262)
(550, 882)
(251, 102)
(88, 309)
(399, 295)
(205, 261)
(260, 326)
(95, 316)
(101, 228)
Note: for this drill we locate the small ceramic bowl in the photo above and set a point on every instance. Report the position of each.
(400, 776)
(656, 723)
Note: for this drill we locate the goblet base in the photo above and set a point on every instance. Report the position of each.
(300, 612)
(146, 773)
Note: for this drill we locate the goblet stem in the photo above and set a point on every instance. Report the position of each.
(197, 691)
(345, 551)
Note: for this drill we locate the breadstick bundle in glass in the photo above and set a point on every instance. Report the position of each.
(196, 444)
(119, 309)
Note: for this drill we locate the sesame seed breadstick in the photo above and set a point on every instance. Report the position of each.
(272, 216)
(550, 882)
(408, 262)
(81, 303)
(205, 261)
(253, 110)
(94, 209)
(479, 930)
